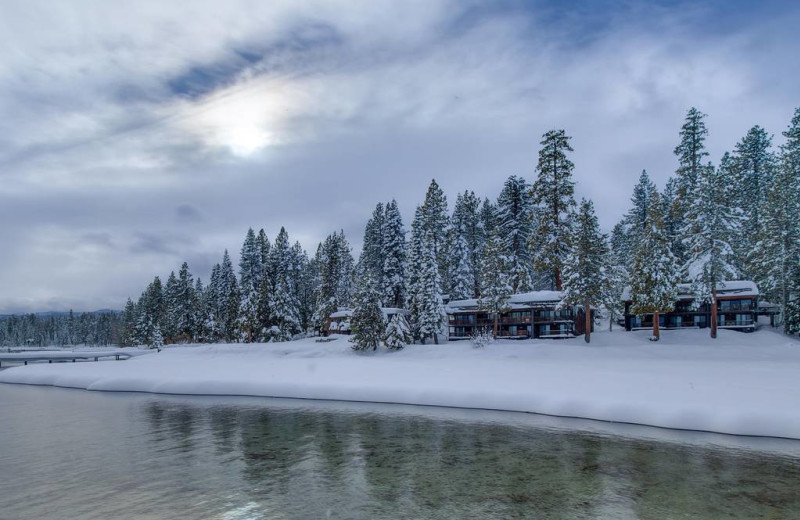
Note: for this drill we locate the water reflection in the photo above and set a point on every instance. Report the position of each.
(317, 464)
(157, 457)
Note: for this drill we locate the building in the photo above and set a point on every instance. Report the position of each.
(339, 321)
(528, 315)
(737, 308)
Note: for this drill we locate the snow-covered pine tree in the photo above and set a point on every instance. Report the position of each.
(367, 323)
(691, 153)
(553, 194)
(250, 272)
(169, 325)
(266, 286)
(229, 297)
(302, 281)
(775, 258)
(753, 170)
(654, 280)
(436, 222)
(333, 260)
(586, 263)
(431, 309)
(496, 290)
(398, 333)
(515, 219)
(462, 279)
(151, 310)
(185, 323)
(157, 339)
(371, 259)
(213, 304)
(425, 301)
(711, 224)
(617, 278)
(346, 273)
(200, 315)
(673, 217)
(284, 306)
(394, 257)
(128, 332)
(633, 222)
(466, 225)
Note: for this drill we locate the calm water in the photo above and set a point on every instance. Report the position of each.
(68, 454)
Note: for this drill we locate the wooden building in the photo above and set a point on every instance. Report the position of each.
(737, 308)
(528, 315)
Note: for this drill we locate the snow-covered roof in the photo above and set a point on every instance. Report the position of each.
(727, 288)
(536, 297)
(387, 311)
(515, 301)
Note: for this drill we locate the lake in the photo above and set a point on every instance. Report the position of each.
(70, 454)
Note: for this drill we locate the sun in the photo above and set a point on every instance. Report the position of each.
(244, 139)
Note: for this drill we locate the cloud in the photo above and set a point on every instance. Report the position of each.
(134, 139)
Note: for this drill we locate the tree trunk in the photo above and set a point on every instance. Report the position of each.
(588, 323)
(435, 338)
(656, 333)
(714, 313)
(558, 279)
(495, 325)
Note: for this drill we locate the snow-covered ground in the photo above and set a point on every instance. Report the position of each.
(746, 384)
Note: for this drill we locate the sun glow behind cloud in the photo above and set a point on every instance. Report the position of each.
(245, 118)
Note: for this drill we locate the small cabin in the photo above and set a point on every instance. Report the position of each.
(737, 308)
(339, 321)
(537, 314)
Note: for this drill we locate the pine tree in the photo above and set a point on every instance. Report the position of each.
(776, 255)
(371, 260)
(302, 279)
(468, 241)
(200, 314)
(585, 266)
(169, 325)
(654, 281)
(157, 340)
(265, 286)
(553, 193)
(691, 153)
(185, 304)
(496, 290)
(633, 222)
(213, 302)
(710, 225)
(367, 323)
(398, 333)
(393, 257)
(285, 312)
(753, 170)
(129, 318)
(250, 272)
(514, 219)
(229, 299)
(334, 262)
(424, 283)
(436, 223)
(462, 279)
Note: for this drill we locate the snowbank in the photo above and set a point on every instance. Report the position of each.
(744, 384)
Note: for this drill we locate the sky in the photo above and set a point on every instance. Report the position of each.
(134, 138)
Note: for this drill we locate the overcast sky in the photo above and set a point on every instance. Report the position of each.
(132, 138)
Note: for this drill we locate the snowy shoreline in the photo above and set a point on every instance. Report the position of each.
(742, 384)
